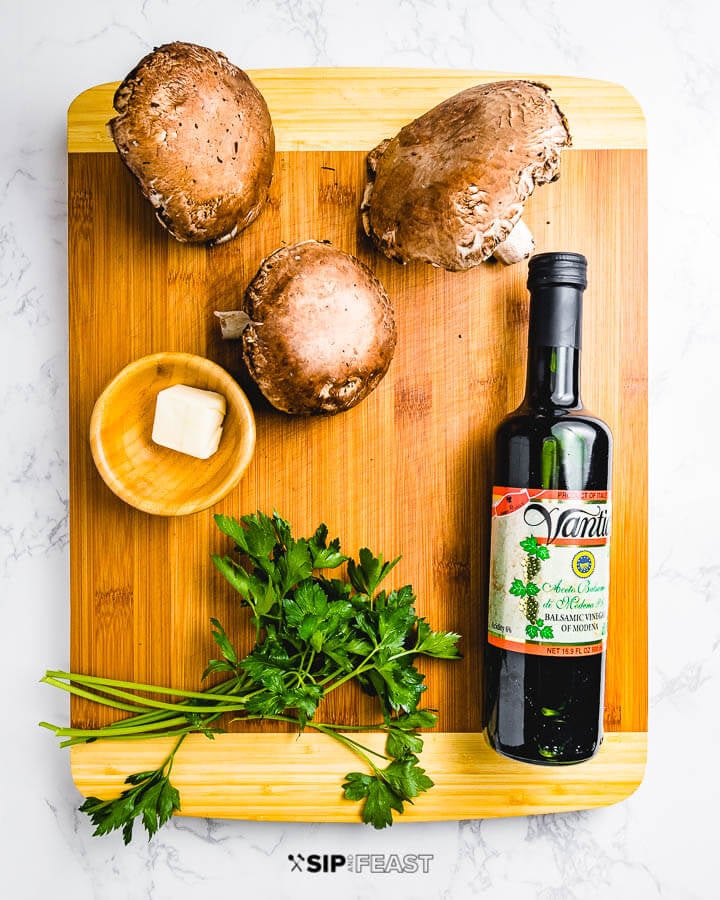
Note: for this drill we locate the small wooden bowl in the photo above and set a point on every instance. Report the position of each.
(155, 479)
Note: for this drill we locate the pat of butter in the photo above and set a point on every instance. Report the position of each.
(189, 420)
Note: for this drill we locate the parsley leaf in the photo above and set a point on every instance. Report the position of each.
(403, 684)
(395, 618)
(440, 644)
(420, 718)
(366, 575)
(229, 662)
(407, 778)
(400, 742)
(324, 555)
(223, 642)
(381, 800)
(306, 609)
(151, 798)
(294, 565)
(387, 789)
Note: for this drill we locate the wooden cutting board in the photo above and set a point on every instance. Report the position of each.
(406, 472)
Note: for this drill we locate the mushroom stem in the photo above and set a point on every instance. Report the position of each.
(518, 245)
(232, 323)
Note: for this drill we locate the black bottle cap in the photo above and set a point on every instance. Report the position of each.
(557, 268)
(556, 282)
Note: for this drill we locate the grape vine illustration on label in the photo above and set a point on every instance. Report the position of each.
(549, 571)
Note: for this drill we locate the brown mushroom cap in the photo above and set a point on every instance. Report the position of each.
(450, 186)
(321, 333)
(196, 134)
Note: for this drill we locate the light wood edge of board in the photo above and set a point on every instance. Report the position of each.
(281, 777)
(356, 108)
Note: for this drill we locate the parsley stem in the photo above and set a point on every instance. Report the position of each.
(159, 716)
(358, 670)
(98, 732)
(135, 686)
(168, 764)
(71, 742)
(358, 749)
(158, 722)
(229, 705)
(380, 726)
(213, 700)
(333, 731)
(132, 723)
(348, 677)
(305, 668)
(90, 695)
(212, 707)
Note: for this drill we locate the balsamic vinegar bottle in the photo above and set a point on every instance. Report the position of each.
(550, 531)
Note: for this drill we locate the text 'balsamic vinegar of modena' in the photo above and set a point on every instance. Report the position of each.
(550, 542)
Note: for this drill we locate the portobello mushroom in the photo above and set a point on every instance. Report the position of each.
(317, 327)
(450, 187)
(197, 135)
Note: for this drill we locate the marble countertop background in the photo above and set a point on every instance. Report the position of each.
(661, 842)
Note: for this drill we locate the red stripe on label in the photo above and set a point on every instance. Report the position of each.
(547, 494)
(546, 649)
(575, 542)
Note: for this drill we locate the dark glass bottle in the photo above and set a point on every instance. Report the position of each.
(549, 567)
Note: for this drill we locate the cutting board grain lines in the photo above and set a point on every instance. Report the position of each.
(406, 472)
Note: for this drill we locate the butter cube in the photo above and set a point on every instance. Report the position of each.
(189, 420)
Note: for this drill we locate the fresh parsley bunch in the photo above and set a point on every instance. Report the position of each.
(313, 633)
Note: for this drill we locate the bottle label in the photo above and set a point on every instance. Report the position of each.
(549, 571)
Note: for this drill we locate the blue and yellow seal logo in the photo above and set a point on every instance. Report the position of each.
(583, 564)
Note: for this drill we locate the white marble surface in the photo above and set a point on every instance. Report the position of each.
(661, 843)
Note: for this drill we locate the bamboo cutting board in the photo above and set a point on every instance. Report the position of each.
(405, 472)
